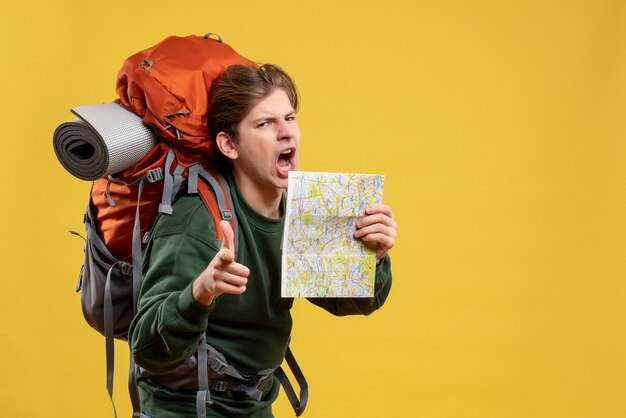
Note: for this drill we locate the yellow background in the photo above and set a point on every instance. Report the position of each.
(500, 128)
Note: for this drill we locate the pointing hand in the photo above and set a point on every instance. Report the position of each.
(223, 274)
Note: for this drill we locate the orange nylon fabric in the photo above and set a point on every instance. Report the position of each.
(173, 76)
(115, 223)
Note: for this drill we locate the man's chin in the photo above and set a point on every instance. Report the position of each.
(282, 185)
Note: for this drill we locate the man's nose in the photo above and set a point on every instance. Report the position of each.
(287, 129)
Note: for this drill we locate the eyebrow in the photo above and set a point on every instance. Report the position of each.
(273, 117)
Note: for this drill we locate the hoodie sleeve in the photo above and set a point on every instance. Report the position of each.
(361, 306)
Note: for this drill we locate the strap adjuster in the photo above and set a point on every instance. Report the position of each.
(126, 268)
(218, 365)
(219, 385)
(227, 215)
(259, 382)
(154, 175)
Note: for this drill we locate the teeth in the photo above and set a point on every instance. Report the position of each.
(285, 160)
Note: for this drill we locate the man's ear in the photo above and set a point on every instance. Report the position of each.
(226, 146)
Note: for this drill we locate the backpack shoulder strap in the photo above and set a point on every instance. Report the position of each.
(215, 193)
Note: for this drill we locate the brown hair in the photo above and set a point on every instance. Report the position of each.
(238, 89)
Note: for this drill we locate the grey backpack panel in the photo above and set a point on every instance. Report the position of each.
(105, 276)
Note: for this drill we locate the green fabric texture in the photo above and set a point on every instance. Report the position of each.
(251, 330)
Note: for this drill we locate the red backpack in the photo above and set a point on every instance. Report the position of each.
(166, 85)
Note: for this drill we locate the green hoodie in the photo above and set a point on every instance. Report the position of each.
(252, 330)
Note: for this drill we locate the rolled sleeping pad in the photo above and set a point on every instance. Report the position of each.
(105, 139)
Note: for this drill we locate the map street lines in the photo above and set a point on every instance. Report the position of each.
(321, 257)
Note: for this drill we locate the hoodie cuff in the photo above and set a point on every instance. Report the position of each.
(192, 310)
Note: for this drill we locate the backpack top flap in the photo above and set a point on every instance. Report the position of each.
(168, 84)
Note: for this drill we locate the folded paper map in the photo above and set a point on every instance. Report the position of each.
(321, 257)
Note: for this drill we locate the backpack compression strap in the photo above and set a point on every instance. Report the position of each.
(298, 405)
(137, 260)
(171, 183)
(107, 313)
(203, 396)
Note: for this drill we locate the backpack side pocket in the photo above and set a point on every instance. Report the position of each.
(107, 286)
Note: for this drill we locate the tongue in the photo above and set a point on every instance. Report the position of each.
(283, 161)
(283, 165)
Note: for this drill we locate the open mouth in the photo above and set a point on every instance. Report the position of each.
(286, 162)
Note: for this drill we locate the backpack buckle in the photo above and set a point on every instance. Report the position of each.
(219, 385)
(260, 381)
(126, 269)
(226, 215)
(154, 175)
(218, 366)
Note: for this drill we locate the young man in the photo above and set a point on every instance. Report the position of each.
(193, 286)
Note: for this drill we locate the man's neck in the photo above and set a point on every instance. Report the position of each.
(266, 201)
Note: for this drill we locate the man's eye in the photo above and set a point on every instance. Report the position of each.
(262, 124)
(290, 118)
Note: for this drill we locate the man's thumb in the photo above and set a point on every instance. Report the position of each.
(228, 237)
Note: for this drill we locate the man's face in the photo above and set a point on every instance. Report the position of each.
(268, 143)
